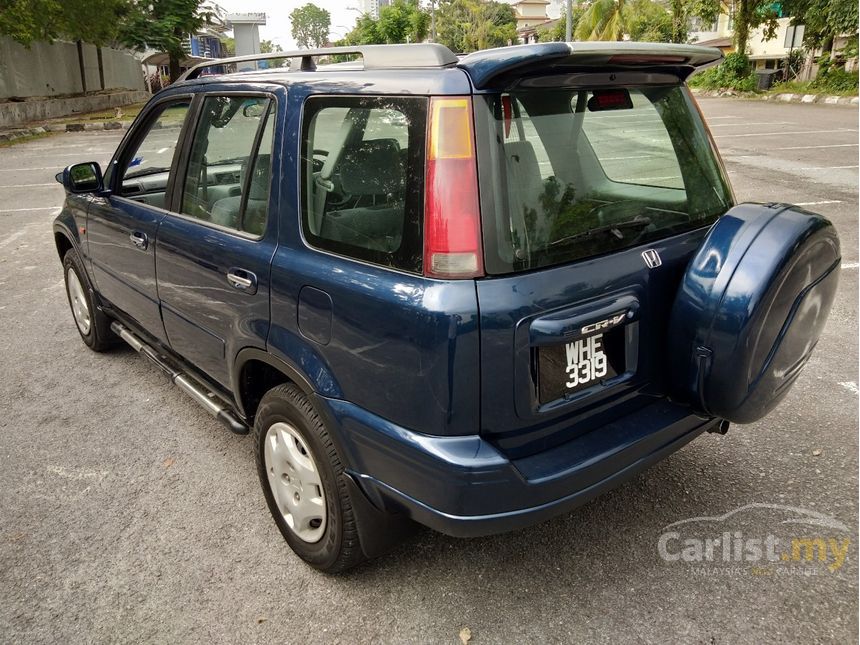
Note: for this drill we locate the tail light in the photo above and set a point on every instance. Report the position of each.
(452, 219)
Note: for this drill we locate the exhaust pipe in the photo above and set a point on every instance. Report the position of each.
(207, 400)
(721, 428)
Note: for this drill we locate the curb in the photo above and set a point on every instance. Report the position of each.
(12, 135)
(820, 99)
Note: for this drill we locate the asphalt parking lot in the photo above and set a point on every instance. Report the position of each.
(128, 514)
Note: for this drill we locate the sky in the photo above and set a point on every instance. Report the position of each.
(277, 12)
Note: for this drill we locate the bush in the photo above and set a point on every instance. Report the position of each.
(834, 79)
(734, 73)
(736, 65)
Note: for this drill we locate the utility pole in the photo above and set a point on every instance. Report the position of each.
(568, 28)
(432, 21)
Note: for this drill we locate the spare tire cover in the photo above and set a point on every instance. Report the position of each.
(751, 307)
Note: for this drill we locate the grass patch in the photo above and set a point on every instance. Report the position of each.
(26, 139)
(840, 88)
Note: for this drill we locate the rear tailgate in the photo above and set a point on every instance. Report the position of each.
(530, 321)
(594, 196)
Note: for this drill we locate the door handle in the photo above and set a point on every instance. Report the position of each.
(242, 280)
(139, 239)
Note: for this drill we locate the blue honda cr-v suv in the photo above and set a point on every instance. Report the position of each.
(469, 292)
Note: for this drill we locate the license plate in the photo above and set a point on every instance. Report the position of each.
(574, 366)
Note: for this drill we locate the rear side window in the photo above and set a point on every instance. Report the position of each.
(362, 177)
(227, 180)
(575, 173)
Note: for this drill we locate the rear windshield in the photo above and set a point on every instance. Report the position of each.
(569, 174)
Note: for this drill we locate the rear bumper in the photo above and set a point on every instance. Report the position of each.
(463, 486)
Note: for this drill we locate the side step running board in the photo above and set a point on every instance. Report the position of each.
(183, 381)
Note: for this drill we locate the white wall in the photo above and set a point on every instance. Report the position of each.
(53, 69)
(774, 48)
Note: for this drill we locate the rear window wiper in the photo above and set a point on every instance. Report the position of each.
(616, 229)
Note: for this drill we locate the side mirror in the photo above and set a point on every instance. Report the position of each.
(82, 178)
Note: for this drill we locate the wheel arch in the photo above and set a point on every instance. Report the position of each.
(63, 243)
(255, 372)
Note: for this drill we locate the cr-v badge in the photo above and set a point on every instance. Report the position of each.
(652, 258)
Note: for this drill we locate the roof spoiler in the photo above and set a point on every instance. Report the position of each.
(373, 56)
(505, 65)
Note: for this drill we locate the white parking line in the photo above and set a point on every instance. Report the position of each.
(26, 169)
(828, 167)
(14, 236)
(829, 145)
(851, 386)
(780, 134)
(826, 201)
(53, 183)
(24, 210)
(625, 158)
(744, 123)
(850, 265)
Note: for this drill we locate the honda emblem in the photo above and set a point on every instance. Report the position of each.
(652, 258)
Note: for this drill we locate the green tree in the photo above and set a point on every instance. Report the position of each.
(556, 31)
(496, 25)
(93, 21)
(402, 21)
(750, 14)
(468, 25)
(824, 19)
(602, 20)
(269, 47)
(649, 21)
(683, 10)
(310, 26)
(164, 25)
(365, 32)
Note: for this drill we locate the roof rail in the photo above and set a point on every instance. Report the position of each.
(374, 56)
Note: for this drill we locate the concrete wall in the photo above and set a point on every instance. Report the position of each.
(52, 69)
(16, 113)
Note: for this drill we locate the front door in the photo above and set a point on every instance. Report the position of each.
(215, 248)
(122, 225)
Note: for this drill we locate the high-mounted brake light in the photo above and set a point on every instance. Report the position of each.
(452, 219)
(646, 59)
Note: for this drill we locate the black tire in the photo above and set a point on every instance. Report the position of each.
(99, 337)
(339, 548)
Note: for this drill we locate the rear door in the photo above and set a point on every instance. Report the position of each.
(215, 247)
(592, 202)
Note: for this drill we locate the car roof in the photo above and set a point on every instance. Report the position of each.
(486, 68)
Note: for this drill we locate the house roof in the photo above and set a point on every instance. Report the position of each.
(716, 42)
(531, 28)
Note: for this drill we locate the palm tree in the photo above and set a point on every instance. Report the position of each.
(602, 20)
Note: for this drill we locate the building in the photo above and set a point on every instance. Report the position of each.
(764, 54)
(246, 31)
(530, 34)
(372, 7)
(530, 13)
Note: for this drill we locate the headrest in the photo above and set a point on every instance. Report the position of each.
(372, 168)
